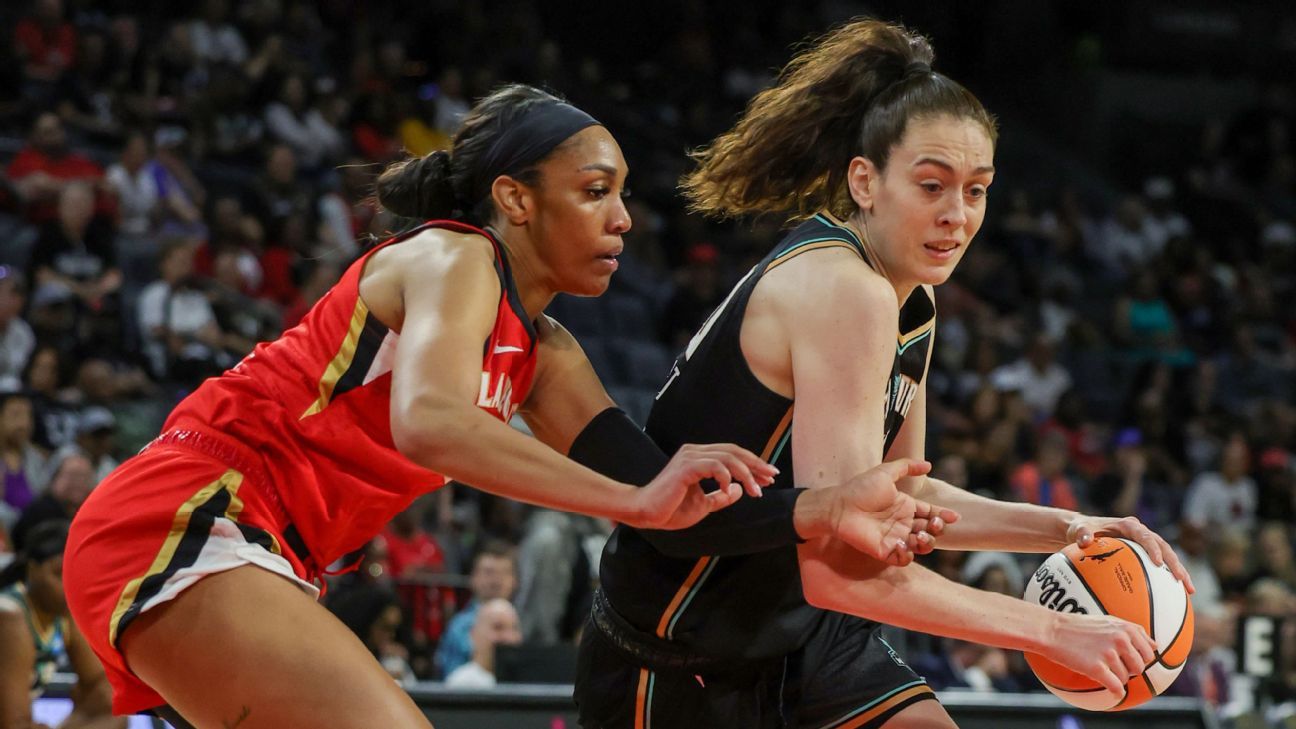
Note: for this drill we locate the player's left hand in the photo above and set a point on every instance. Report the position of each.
(1083, 529)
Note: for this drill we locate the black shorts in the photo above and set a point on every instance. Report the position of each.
(845, 677)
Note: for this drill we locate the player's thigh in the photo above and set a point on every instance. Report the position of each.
(848, 677)
(248, 648)
(922, 715)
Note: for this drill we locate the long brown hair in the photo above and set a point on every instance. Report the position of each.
(851, 92)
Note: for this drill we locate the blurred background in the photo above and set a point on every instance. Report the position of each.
(181, 180)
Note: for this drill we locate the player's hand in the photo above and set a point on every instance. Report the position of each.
(675, 500)
(872, 516)
(929, 524)
(1083, 529)
(1105, 648)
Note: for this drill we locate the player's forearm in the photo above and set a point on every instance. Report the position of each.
(989, 524)
(468, 445)
(615, 447)
(834, 577)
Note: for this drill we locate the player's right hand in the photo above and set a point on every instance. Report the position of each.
(1105, 648)
(874, 517)
(675, 500)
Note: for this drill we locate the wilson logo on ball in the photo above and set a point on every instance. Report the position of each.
(1053, 594)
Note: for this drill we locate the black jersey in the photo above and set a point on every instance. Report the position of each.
(746, 607)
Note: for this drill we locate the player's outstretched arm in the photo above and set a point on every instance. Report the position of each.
(450, 294)
(570, 411)
(1104, 648)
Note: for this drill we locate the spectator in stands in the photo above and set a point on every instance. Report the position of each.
(1128, 239)
(230, 130)
(38, 638)
(313, 278)
(16, 338)
(22, 464)
(277, 191)
(373, 613)
(451, 106)
(242, 319)
(347, 213)
(135, 186)
(1193, 548)
(75, 253)
(45, 166)
(180, 194)
(293, 121)
(1225, 499)
(964, 665)
(698, 292)
(96, 437)
(1127, 489)
(1273, 548)
(1144, 324)
(70, 482)
(556, 574)
(181, 338)
(1230, 559)
(1037, 376)
(496, 624)
(46, 46)
(1277, 485)
(494, 575)
(415, 561)
(87, 103)
(216, 40)
(1043, 481)
(44, 378)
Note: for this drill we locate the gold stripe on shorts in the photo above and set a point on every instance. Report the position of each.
(228, 481)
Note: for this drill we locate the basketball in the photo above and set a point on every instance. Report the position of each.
(1115, 577)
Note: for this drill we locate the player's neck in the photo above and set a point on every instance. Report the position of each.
(529, 273)
(859, 225)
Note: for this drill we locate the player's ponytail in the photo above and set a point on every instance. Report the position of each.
(850, 93)
(510, 132)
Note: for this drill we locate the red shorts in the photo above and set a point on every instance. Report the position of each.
(190, 505)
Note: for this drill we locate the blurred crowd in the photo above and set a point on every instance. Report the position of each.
(179, 184)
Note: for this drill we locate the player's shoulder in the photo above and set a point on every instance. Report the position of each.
(836, 275)
(448, 244)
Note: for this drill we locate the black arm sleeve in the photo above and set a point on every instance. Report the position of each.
(614, 446)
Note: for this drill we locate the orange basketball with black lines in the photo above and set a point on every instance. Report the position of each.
(1114, 576)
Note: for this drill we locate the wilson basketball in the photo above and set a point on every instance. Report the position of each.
(1115, 577)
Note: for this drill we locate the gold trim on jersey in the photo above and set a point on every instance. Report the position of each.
(861, 720)
(665, 627)
(680, 594)
(811, 245)
(341, 361)
(903, 340)
(846, 225)
(228, 481)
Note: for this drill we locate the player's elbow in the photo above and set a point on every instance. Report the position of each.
(817, 583)
(424, 431)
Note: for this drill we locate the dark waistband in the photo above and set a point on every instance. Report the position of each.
(651, 651)
(247, 463)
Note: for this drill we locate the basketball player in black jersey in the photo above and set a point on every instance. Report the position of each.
(817, 361)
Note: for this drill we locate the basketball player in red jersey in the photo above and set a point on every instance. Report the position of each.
(191, 569)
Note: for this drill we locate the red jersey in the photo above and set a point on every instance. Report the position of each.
(316, 405)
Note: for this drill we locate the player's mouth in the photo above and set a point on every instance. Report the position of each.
(942, 249)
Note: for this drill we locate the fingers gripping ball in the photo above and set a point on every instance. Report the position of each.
(1115, 577)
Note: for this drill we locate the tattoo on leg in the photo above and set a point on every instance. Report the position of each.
(241, 717)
